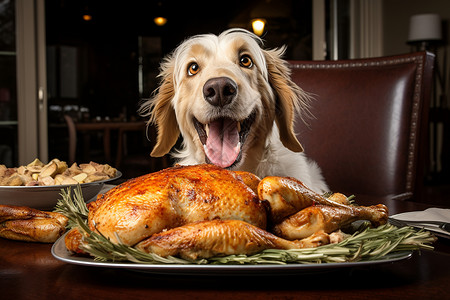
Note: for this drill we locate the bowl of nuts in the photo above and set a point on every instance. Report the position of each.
(39, 185)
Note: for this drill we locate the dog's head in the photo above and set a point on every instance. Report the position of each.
(223, 94)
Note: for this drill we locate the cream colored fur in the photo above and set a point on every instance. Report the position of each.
(265, 89)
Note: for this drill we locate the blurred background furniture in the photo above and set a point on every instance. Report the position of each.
(105, 128)
(427, 33)
(129, 141)
(369, 127)
(122, 146)
(72, 138)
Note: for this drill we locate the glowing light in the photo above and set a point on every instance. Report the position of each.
(160, 21)
(258, 26)
(87, 17)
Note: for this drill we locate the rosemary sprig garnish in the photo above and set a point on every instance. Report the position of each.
(74, 207)
(366, 244)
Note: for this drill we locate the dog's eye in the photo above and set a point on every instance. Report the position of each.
(245, 61)
(193, 69)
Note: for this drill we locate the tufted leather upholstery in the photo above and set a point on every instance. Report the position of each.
(370, 121)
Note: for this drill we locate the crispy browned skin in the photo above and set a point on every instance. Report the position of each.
(297, 212)
(73, 241)
(286, 196)
(250, 179)
(212, 238)
(327, 218)
(32, 225)
(174, 197)
(203, 211)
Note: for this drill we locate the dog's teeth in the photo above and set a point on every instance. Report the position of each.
(207, 129)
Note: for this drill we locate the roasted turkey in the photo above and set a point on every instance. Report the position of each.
(202, 211)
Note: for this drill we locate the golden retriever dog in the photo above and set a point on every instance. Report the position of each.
(234, 105)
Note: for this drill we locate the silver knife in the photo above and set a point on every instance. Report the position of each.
(442, 225)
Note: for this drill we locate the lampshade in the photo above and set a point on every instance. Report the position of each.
(425, 27)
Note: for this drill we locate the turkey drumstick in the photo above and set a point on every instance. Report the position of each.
(287, 196)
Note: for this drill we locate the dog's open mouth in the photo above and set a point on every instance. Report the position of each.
(223, 139)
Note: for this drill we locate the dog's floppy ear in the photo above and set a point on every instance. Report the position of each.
(290, 98)
(162, 113)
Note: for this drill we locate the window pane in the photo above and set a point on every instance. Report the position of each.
(7, 26)
(8, 83)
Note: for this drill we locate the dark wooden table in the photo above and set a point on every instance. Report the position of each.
(29, 271)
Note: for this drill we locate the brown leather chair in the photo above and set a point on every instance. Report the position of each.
(370, 122)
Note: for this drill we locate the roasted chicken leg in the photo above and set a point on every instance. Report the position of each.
(327, 218)
(297, 212)
(286, 196)
(32, 225)
(211, 238)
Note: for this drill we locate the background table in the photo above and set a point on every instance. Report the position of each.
(104, 127)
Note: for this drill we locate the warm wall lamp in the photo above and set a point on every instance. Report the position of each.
(160, 21)
(258, 26)
(87, 16)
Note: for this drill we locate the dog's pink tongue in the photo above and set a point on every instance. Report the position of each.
(222, 146)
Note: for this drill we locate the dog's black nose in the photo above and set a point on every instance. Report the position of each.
(220, 91)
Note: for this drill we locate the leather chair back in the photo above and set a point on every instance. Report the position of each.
(370, 122)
